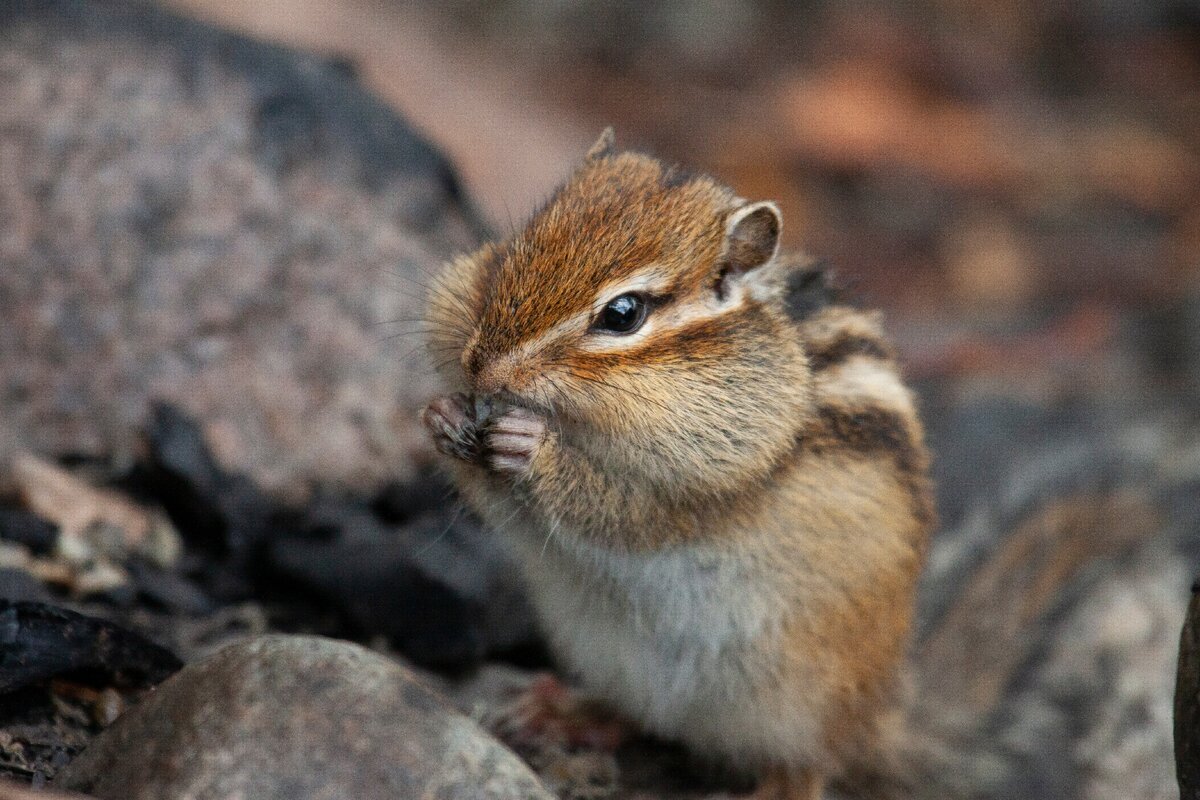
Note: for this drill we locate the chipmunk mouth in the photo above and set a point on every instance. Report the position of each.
(506, 398)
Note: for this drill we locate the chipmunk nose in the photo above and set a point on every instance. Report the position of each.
(490, 381)
(488, 375)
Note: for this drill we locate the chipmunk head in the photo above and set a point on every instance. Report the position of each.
(637, 295)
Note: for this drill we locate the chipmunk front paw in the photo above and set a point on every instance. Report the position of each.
(452, 424)
(512, 439)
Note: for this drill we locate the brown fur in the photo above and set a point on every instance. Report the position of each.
(782, 445)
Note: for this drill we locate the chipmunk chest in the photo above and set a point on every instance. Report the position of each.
(686, 593)
(664, 617)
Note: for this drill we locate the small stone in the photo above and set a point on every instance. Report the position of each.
(18, 585)
(39, 642)
(101, 578)
(92, 522)
(297, 718)
(168, 589)
(107, 706)
(28, 529)
(14, 791)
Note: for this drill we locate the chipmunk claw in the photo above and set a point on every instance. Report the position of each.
(471, 429)
(450, 421)
(512, 439)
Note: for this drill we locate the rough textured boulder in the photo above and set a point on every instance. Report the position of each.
(235, 228)
(297, 718)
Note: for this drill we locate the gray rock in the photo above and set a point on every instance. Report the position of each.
(232, 227)
(297, 718)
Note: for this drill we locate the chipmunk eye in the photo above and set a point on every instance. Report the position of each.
(624, 314)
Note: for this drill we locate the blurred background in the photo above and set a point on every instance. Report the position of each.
(1017, 182)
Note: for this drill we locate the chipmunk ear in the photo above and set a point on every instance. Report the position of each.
(606, 145)
(751, 240)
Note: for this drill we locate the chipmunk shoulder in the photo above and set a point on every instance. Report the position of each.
(713, 475)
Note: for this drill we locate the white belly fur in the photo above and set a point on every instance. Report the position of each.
(685, 641)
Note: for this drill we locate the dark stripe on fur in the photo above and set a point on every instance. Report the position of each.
(875, 430)
(809, 289)
(843, 347)
(869, 430)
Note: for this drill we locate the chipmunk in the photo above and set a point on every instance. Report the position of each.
(717, 488)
